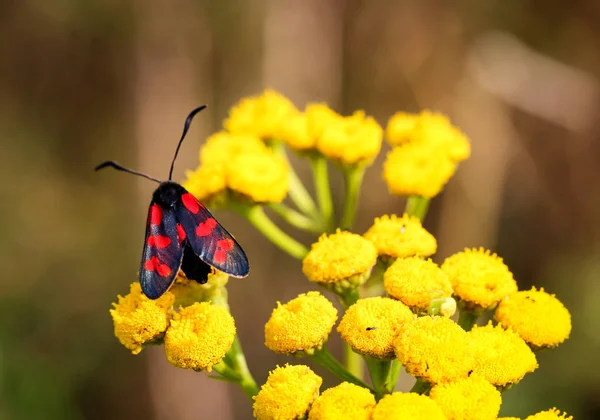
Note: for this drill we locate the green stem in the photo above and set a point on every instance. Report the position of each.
(296, 218)
(467, 318)
(353, 362)
(353, 178)
(257, 217)
(246, 380)
(420, 386)
(392, 379)
(297, 191)
(326, 359)
(322, 187)
(226, 372)
(417, 205)
(379, 371)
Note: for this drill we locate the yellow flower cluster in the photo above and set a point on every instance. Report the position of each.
(240, 164)
(427, 148)
(407, 406)
(301, 326)
(196, 337)
(345, 401)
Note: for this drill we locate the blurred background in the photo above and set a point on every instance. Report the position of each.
(82, 82)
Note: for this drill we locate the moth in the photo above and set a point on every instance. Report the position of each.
(182, 234)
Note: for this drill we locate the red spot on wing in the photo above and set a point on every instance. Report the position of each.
(154, 264)
(220, 256)
(225, 244)
(159, 241)
(205, 228)
(180, 233)
(190, 203)
(156, 214)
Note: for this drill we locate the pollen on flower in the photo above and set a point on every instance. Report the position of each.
(139, 320)
(415, 282)
(206, 181)
(552, 414)
(351, 140)
(199, 336)
(220, 147)
(468, 398)
(500, 356)
(386, 315)
(538, 317)
(300, 326)
(399, 237)
(260, 115)
(417, 169)
(188, 292)
(435, 349)
(479, 277)
(345, 401)
(407, 406)
(430, 129)
(288, 393)
(263, 177)
(341, 260)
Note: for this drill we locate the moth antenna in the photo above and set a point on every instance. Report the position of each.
(118, 167)
(186, 127)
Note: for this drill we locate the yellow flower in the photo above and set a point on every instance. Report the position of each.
(301, 325)
(552, 414)
(139, 320)
(407, 406)
(287, 394)
(371, 325)
(500, 356)
(399, 237)
(509, 418)
(222, 146)
(416, 282)
(416, 169)
(479, 277)
(188, 292)
(206, 182)
(341, 260)
(471, 398)
(435, 349)
(260, 115)
(400, 128)
(538, 317)
(429, 129)
(199, 336)
(351, 140)
(302, 130)
(345, 401)
(263, 177)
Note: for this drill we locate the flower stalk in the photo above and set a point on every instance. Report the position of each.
(326, 359)
(417, 206)
(353, 178)
(321, 179)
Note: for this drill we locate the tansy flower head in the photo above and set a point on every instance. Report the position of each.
(538, 317)
(479, 278)
(399, 237)
(219, 148)
(416, 282)
(471, 398)
(431, 130)
(260, 115)
(199, 336)
(345, 401)
(300, 326)
(301, 131)
(188, 292)
(552, 414)
(262, 177)
(407, 406)
(415, 169)
(340, 261)
(351, 140)
(287, 394)
(139, 320)
(370, 325)
(206, 182)
(435, 349)
(500, 356)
